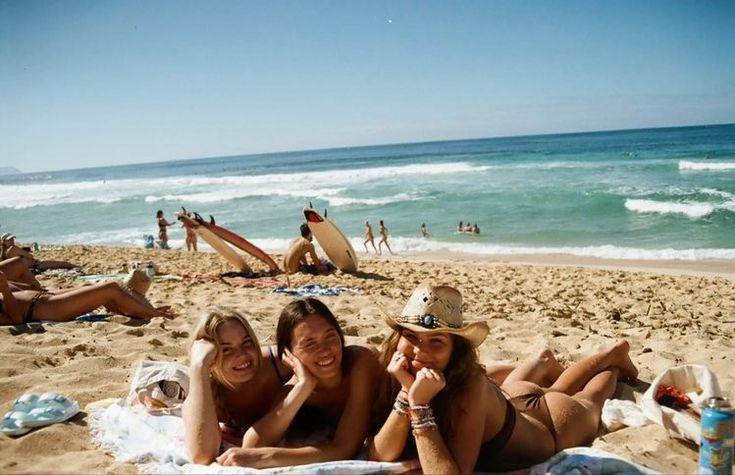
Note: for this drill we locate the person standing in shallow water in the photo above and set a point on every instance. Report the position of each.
(369, 237)
(383, 238)
(162, 231)
(424, 231)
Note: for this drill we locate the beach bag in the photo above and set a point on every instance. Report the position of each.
(159, 386)
(695, 381)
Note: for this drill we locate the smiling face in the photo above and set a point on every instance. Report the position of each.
(426, 349)
(239, 354)
(317, 343)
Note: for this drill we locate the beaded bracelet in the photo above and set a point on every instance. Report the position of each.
(401, 406)
(424, 430)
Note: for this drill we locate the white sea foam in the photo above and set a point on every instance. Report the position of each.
(706, 166)
(398, 198)
(691, 210)
(208, 189)
(409, 245)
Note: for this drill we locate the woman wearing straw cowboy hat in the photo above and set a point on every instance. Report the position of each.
(459, 421)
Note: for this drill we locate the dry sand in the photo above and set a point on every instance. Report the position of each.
(672, 313)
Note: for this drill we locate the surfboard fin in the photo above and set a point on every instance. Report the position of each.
(325, 212)
(211, 219)
(198, 217)
(310, 205)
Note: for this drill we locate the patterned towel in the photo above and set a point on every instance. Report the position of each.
(314, 290)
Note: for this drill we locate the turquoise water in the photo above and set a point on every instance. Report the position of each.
(653, 193)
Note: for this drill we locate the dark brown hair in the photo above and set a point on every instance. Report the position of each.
(296, 311)
(463, 363)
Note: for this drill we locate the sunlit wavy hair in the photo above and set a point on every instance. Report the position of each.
(206, 329)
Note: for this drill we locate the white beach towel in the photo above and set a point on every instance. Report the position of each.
(156, 443)
(698, 382)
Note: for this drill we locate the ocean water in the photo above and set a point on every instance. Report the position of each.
(642, 194)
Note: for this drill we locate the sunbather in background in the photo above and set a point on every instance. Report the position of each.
(23, 306)
(9, 249)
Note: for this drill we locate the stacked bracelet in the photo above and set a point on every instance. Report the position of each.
(401, 406)
(422, 419)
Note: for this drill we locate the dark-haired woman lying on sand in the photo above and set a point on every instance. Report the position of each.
(23, 306)
(457, 420)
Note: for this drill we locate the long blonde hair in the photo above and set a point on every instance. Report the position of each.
(206, 329)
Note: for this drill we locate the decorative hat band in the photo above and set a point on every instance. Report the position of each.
(426, 321)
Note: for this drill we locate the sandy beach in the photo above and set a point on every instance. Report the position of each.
(671, 312)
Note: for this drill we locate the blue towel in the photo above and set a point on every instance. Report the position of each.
(313, 290)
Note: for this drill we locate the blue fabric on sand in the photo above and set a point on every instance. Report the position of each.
(314, 290)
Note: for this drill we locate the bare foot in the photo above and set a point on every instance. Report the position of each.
(628, 371)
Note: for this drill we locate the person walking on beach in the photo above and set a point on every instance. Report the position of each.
(383, 238)
(369, 237)
(162, 231)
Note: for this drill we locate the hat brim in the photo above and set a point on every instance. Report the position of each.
(474, 332)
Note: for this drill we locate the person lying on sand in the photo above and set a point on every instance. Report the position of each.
(230, 374)
(24, 306)
(324, 411)
(441, 391)
(9, 249)
(295, 258)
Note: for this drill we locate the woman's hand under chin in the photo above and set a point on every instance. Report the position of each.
(399, 367)
(427, 385)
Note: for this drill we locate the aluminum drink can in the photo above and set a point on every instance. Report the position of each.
(716, 448)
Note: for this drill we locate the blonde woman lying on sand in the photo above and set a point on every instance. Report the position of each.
(441, 391)
(23, 306)
(231, 383)
(324, 411)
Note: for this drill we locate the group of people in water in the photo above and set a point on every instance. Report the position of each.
(313, 398)
(468, 228)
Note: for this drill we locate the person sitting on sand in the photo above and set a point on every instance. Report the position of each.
(24, 306)
(383, 238)
(229, 378)
(9, 249)
(162, 231)
(295, 258)
(456, 419)
(369, 237)
(324, 412)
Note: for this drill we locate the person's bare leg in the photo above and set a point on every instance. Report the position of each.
(544, 370)
(576, 418)
(73, 303)
(46, 265)
(574, 378)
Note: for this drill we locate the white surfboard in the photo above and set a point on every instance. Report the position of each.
(334, 242)
(219, 245)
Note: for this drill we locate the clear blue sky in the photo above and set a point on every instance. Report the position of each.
(93, 83)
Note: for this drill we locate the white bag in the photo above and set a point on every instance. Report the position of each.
(698, 382)
(160, 386)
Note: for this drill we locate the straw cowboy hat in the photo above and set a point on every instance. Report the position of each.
(138, 281)
(437, 309)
